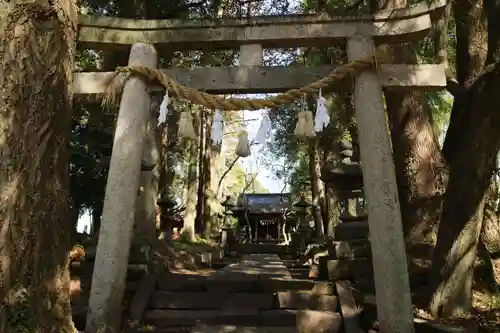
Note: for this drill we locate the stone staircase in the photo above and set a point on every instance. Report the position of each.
(256, 294)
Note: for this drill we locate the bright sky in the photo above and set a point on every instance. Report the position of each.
(254, 163)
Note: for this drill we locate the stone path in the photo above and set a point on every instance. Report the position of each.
(257, 295)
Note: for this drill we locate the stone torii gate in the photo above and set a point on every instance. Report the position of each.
(361, 34)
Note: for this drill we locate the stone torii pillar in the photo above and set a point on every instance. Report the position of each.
(111, 262)
(394, 306)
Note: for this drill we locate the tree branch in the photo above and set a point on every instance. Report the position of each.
(225, 174)
(248, 183)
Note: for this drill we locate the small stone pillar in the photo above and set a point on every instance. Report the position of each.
(394, 306)
(111, 262)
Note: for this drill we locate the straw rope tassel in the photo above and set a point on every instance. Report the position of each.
(243, 147)
(305, 125)
(186, 129)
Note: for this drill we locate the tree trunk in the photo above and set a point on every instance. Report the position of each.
(169, 142)
(145, 212)
(200, 198)
(36, 54)
(317, 190)
(490, 232)
(470, 149)
(418, 161)
(192, 185)
(208, 190)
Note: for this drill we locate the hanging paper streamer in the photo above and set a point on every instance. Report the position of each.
(217, 129)
(162, 117)
(264, 130)
(186, 129)
(322, 118)
(304, 129)
(243, 147)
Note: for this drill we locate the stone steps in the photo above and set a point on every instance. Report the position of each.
(208, 300)
(243, 329)
(258, 294)
(216, 329)
(211, 301)
(304, 320)
(261, 284)
(260, 248)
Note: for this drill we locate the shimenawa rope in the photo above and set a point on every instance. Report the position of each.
(116, 82)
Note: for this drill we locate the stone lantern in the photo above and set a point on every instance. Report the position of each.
(300, 207)
(347, 179)
(228, 234)
(303, 235)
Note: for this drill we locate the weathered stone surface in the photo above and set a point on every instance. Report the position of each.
(108, 278)
(244, 276)
(259, 248)
(228, 80)
(181, 282)
(340, 269)
(270, 32)
(352, 231)
(380, 187)
(208, 300)
(242, 329)
(319, 322)
(306, 301)
(350, 249)
(233, 282)
(165, 318)
(348, 307)
(314, 287)
(353, 218)
(307, 321)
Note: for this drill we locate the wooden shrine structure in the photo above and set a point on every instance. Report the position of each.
(265, 213)
(134, 139)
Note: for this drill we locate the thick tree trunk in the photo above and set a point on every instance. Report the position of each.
(420, 170)
(209, 199)
(192, 185)
(470, 149)
(417, 157)
(199, 223)
(36, 54)
(490, 233)
(317, 190)
(470, 170)
(169, 141)
(191, 190)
